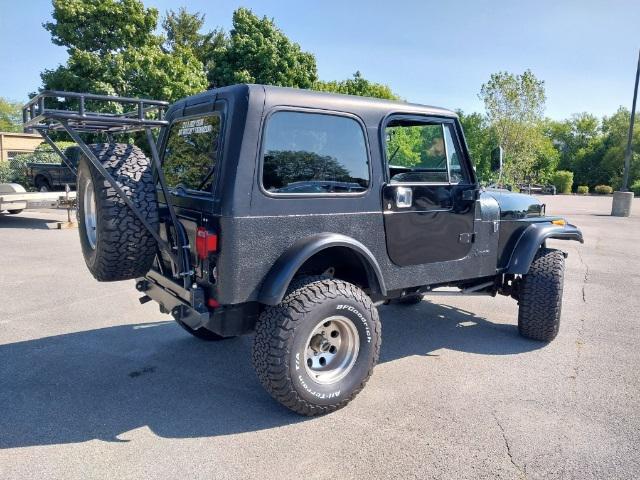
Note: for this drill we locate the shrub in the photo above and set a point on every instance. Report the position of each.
(563, 181)
(635, 188)
(6, 174)
(603, 189)
(583, 189)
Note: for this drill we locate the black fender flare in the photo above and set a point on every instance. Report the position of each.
(531, 239)
(279, 277)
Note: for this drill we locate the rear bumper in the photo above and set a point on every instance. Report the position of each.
(189, 307)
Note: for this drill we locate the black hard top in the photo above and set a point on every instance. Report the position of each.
(296, 97)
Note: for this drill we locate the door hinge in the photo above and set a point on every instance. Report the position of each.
(467, 238)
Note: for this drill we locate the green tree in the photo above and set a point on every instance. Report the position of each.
(405, 145)
(481, 139)
(594, 150)
(615, 130)
(10, 116)
(514, 106)
(184, 31)
(101, 27)
(113, 50)
(257, 51)
(571, 135)
(358, 85)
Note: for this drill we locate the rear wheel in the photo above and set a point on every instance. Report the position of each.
(540, 296)
(316, 350)
(42, 184)
(115, 243)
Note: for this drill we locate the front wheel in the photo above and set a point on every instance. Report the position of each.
(540, 296)
(316, 350)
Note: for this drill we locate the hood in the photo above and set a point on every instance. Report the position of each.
(515, 206)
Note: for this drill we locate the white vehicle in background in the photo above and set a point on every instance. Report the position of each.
(11, 199)
(14, 199)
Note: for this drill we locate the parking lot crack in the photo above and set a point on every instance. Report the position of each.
(581, 327)
(522, 470)
(586, 276)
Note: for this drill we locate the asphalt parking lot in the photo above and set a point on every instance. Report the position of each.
(94, 385)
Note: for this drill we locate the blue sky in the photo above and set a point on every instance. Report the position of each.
(437, 53)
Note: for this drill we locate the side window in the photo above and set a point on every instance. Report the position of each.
(190, 155)
(421, 152)
(314, 153)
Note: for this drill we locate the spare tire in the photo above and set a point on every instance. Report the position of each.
(115, 243)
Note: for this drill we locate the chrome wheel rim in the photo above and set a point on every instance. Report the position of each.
(89, 206)
(331, 349)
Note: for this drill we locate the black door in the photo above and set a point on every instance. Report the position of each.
(429, 199)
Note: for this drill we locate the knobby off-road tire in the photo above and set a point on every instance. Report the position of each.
(202, 333)
(540, 296)
(115, 244)
(312, 307)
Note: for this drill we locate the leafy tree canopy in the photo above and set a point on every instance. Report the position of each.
(481, 139)
(101, 27)
(358, 85)
(257, 51)
(514, 105)
(516, 98)
(113, 50)
(10, 116)
(183, 31)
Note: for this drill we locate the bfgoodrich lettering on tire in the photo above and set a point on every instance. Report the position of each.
(115, 243)
(540, 296)
(316, 350)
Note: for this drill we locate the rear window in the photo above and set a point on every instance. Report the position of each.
(310, 153)
(191, 152)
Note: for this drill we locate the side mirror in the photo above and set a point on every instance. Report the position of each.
(496, 159)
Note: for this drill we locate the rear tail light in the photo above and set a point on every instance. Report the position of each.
(206, 242)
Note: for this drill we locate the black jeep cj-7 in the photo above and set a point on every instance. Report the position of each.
(294, 214)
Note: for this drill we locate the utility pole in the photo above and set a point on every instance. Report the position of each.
(622, 200)
(627, 153)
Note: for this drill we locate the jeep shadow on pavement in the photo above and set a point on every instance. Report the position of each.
(295, 214)
(103, 383)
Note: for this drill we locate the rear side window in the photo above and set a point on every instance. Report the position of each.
(191, 152)
(313, 153)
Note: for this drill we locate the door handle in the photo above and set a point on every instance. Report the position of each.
(404, 197)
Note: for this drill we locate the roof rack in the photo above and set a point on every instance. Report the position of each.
(139, 113)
